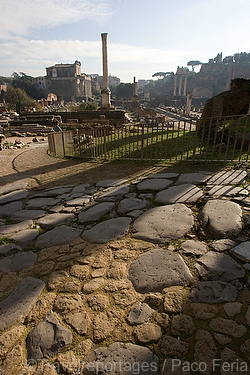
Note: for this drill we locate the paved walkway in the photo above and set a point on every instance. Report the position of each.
(151, 274)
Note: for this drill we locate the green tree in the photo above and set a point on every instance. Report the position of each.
(124, 91)
(194, 63)
(25, 82)
(18, 100)
(87, 106)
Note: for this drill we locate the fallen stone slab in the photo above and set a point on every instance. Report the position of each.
(197, 178)
(158, 269)
(186, 193)
(153, 184)
(131, 204)
(218, 266)
(109, 230)
(109, 183)
(18, 262)
(163, 224)
(121, 358)
(8, 209)
(42, 202)
(13, 196)
(47, 338)
(13, 186)
(139, 314)
(96, 212)
(27, 215)
(242, 251)
(213, 292)
(232, 177)
(192, 247)
(53, 220)
(25, 236)
(221, 218)
(223, 244)
(6, 230)
(112, 194)
(19, 301)
(57, 236)
(227, 191)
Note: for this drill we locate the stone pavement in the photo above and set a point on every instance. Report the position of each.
(142, 277)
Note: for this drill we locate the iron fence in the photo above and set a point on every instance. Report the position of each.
(213, 139)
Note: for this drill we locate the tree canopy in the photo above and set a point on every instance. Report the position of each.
(194, 63)
(25, 82)
(18, 100)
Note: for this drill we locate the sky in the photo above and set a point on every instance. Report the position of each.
(144, 36)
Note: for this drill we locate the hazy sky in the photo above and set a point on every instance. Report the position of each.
(144, 36)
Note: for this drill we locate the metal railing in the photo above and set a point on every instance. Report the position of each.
(213, 139)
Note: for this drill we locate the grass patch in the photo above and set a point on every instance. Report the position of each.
(5, 240)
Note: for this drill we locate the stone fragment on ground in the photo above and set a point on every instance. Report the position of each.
(6, 230)
(96, 212)
(192, 247)
(227, 191)
(185, 193)
(242, 251)
(13, 196)
(10, 208)
(50, 221)
(197, 178)
(139, 314)
(57, 236)
(231, 177)
(213, 292)
(154, 184)
(17, 262)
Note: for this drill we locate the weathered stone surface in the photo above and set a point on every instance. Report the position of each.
(67, 362)
(172, 347)
(93, 285)
(205, 350)
(42, 306)
(117, 270)
(148, 333)
(53, 220)
(96, 212)
(218, 266)
(154, 184)
(9, 338)
(163, 224)
(204, 311)
(129, 204)
(79, 321)
(47, 338)
(106, 231)
(27, 215)
(8, 209)
(173, 300)
(57, 279)
(123, 358)
(13, 361)
(57, 236)
(9, 249)
(232, 308)
(125, 297)
(228, 191)
(242, 251)
(67, 303)
(6, 230)
(232, 177)
(213, 292)
(222, 245)
(18, 185)
(227, 223)
(182, 325)
(112, 194)
(81, 271)
(109, 183)
(232, 363)
(222, 339)
(157, 269)
(39, 203)
(13, 196)
(187, 193)
(19, 301)
(80, 201)
(227, 326)
(139, 314)
(193, 247)
(25, 236)
(98, 302)
(105, 322)
(245, 348)
(164, 175)
(18, 262)
(197, 178)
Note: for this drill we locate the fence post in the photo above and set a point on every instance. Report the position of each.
(104, 143)
(142, 141)
(195, 141)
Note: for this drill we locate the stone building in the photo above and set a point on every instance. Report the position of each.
(68, 81)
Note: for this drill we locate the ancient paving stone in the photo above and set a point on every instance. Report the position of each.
(80, 188)
(100, 272)
(98, 302)
(186, 193)
(157, 269)
(57, 236)
(217, 266)
(162, 319)
(10, 249)
(173, 300)
(172, 347)
(205, 350)
(242, 251)
(154, 184)
(213, 292)
(79, 321)
(163, 224)
(6, 230)
(96, 212)
(232, 177)
(148, 333)
(55, 191)
(222, 339)
(182, 325)
(67, 303)
(227, 224)
(13, 196)
(174, 366)
(93, 285)
(13, 361)
(232, 308)
(129, 204)
(39, 203)
(232, 363)
(67, 362)
(19, 301)
(123, 358)
(196, 178)
(80, 271)
(113, 194)
(125, 297)
(72, 286)
(27, 215)
(245, 348)
(227, 191)
(106, 231)
(222, 245)
(164, 175)
(57, 279)
(117, 270)
(80, 201)
(109, 183)
(53, 220)
(42, 306)
(47, 338)
(227, 326)
(139, 314)
(154, 300)
(192, 247)
(8, 209)
(18, 185)
(26, 235)
(105, 322)
(204, 311)
(9, 338)
(18, 262)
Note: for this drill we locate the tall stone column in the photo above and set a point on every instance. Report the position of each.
(105, 90)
